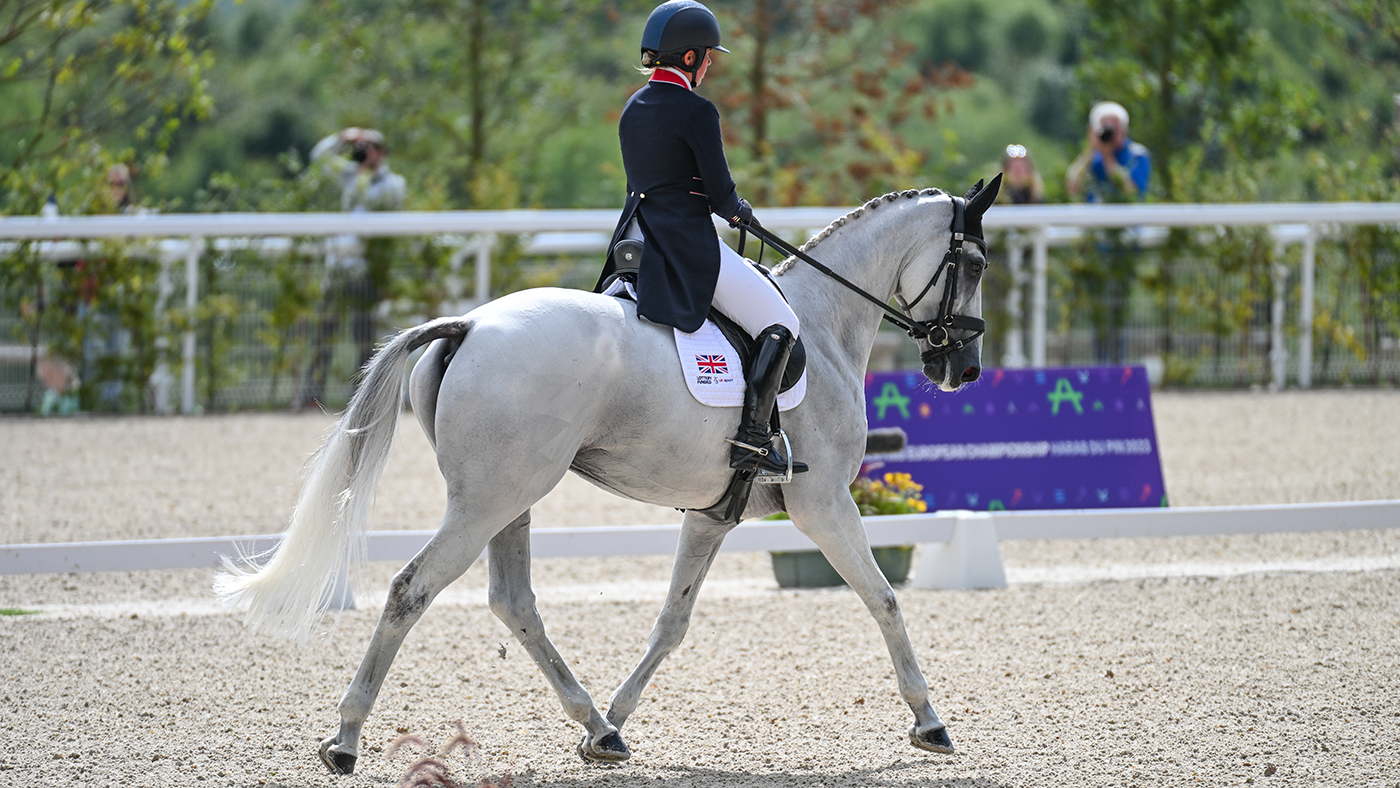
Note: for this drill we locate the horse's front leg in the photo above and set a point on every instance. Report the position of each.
(700, 539)
(836, 528)
(513, 601)
(446, 556)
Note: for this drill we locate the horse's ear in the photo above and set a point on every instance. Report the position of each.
(980, 197)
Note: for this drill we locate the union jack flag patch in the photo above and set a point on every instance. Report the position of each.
(714, 365)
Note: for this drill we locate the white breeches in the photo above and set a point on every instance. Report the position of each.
(743, 293)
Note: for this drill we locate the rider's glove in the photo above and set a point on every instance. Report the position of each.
(743, 216)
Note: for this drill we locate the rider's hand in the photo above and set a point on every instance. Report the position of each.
(743, 216)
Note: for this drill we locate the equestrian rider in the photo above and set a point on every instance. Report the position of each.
(676, 176)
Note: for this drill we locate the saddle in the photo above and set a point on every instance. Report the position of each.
(627, 255)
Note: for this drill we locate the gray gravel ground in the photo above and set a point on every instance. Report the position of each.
(1205, 661)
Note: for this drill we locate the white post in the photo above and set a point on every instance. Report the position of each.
(1278, 354)
(1040, 295)
(192, 252)
(1305, 308)
(971, 559)
(161, 377)
(1015, 355)
(483, 267)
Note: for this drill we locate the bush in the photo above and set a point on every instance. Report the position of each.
(897, 493)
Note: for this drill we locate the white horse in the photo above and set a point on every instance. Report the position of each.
(530, 386)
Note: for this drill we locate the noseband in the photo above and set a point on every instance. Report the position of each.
(937, 332)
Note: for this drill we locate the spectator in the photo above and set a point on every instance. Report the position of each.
(1112, 167)
(119, 188)
(355, 276)
(1023, 185)
(366, 182)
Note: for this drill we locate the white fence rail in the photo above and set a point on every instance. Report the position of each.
(933, 528)
(1037, 228)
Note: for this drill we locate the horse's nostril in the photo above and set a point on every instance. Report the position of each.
(970, 374)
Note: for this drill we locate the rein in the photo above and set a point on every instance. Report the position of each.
(937, 331)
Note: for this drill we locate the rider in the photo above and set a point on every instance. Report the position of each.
(676, 176)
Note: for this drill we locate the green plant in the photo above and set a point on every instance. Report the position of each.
(896, 493)
(17, 611)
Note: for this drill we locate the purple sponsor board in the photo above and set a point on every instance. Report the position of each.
(1058, 438)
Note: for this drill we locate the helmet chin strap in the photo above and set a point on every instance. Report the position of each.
(695, 71)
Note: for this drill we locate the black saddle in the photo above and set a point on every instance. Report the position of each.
(627, 254)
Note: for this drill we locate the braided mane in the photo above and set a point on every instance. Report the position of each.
(782, 267)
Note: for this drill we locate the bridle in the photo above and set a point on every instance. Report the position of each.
(939, 336)
(937, 332)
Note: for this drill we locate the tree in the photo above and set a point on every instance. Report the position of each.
(459, 83)
(1189, 72)
(81, 76)
(826, 97)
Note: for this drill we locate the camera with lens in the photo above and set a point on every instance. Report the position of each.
(360, 152)
(1107, 134)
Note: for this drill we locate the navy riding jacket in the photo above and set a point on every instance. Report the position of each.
(676, 176)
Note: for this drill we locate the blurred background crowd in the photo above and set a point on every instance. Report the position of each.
(297, 105)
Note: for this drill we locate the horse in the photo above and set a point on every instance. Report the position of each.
(535, 384)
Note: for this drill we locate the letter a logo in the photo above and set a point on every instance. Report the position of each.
(1064, 391)
(890, 395)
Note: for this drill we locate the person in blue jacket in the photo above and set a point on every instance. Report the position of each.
(677, 175)
(1113, 167)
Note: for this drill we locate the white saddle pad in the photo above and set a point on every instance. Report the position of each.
(713, 370)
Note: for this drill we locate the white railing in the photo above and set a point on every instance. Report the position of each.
(960, 547)
(1288, 223)
(1035, 227)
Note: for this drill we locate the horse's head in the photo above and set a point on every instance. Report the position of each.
(942, 289)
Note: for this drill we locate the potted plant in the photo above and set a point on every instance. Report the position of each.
(895, 493)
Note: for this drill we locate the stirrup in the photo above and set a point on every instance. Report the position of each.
(765, 477)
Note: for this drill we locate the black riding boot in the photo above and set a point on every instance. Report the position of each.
(754, 443)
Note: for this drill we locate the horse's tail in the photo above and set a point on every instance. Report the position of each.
(325, 539)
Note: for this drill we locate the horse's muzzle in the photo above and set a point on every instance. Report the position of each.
(971, 373)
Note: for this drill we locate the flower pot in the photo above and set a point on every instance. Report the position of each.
(810, 569)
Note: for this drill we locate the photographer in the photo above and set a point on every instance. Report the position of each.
(367, 183)
(1112, 167)
(356, 271)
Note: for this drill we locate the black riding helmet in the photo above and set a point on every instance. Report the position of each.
(677, 27)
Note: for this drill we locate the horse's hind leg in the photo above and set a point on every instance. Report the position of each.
(446, 556)
(513, 601)
(838, 531)
(700, 539)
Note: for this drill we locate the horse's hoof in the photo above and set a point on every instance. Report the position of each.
(933, 739)
(338, 761)
(609, 749)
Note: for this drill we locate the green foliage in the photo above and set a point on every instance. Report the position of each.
(488, 104)
(450, 90)
(104, 314)
(896, 493)
(827, 102)
(77, 77)
(22, 292)
(1187, 72)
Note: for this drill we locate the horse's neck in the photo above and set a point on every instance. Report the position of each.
(868, 252)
